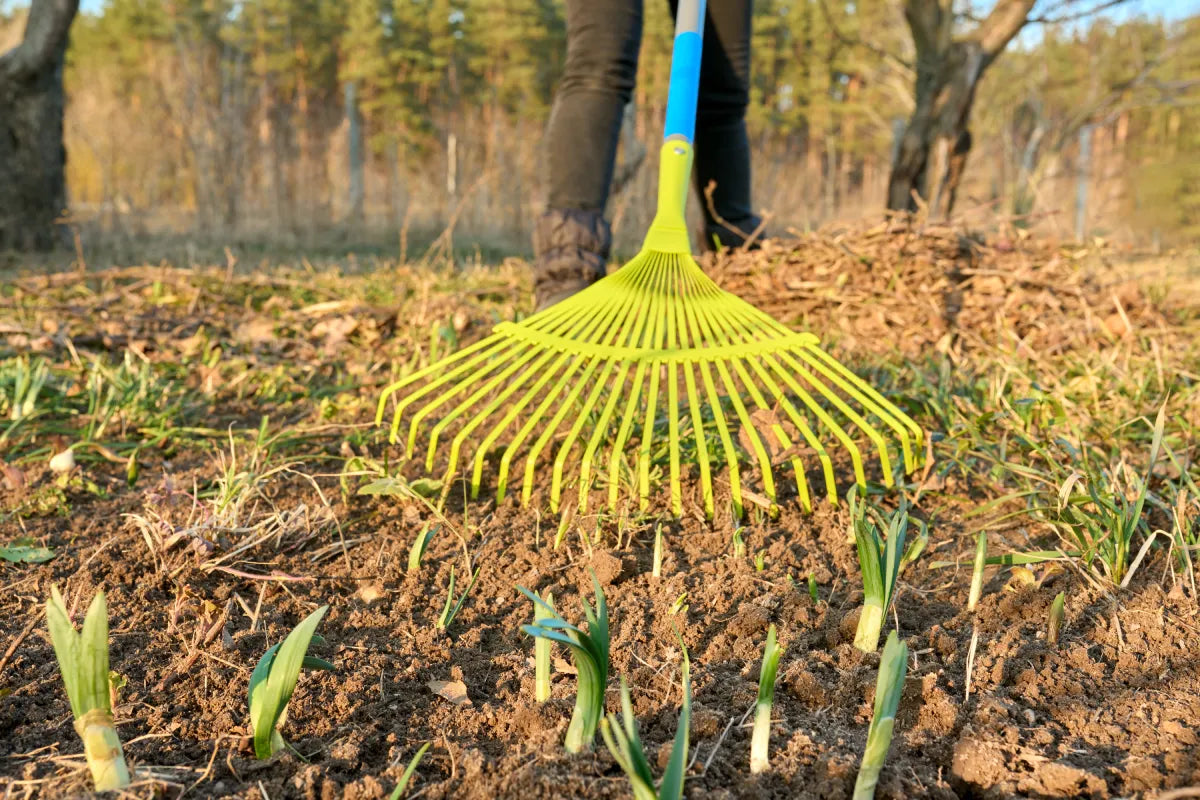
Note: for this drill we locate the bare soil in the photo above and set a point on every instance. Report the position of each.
(1111, 710)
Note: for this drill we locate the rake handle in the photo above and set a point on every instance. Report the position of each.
(685, 71)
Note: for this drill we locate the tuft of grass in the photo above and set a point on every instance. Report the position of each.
(893, 666)
(760, 741)
(589, 651)
(274, 679)
(451, 609)
(83, 659)
(623, 742)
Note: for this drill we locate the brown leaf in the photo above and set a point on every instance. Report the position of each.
(14, 478)
(454, 691)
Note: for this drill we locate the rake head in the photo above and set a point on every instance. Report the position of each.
(654, 355)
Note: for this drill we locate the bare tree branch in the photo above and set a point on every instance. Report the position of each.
(1096, 9)
(1000, 26)
(45, 31)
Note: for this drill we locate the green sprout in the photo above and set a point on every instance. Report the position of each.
(888, 688)
(1055, 620)
(658, 552)
(977, 572)
(402, 784)
(451, 609)
(761, 739)
(812, 589)
(590, 653)
(274, 680)
(83, 659)
(760, 560)
(880, 562)
(739, 544)
(626, 746)
(418, 548)
(541, 650)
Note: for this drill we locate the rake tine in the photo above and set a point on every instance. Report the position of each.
(653, 339)
(511, 451)
(802, 425)
(490, 439)
(499, 343)
(552, 426)
(483, 391)
(805, 431)
(837, 430)
(428, 369)
(623, 435)
(624, 336)
(491, 408)
(585, 469)
(715, 331)
(565, 448)
(908, 432)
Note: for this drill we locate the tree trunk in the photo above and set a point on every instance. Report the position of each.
(948, 71)
(32, 156)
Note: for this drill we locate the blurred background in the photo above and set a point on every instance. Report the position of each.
(311, 121)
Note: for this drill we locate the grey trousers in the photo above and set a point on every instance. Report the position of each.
(603, 38)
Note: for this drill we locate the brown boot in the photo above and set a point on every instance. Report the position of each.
(570, 249)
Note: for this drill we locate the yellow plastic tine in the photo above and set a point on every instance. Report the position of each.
(569, 442)
(462, 386)
(673, 395)
(585, 468)
(907, 432)
(486, 388)
(854, 416)
(551, 427)
(483, 414)
(653, 338)
(713, 330)
(429, 369)
(499, 343)
(810, 435)
(626, 335)
(616, 456)
(552, 396)
(490, 439)
(805, 431)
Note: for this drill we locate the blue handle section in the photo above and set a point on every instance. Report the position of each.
(685, 85)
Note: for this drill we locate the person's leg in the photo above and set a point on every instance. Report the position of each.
(722, 147)
(572, 240)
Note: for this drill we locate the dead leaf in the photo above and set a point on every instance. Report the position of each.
(14, 478)
(454, 691)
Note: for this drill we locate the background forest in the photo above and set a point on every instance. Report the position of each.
(288, 119)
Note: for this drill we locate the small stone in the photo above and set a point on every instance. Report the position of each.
(63, 462)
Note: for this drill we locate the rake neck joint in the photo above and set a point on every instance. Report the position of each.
(668, 233)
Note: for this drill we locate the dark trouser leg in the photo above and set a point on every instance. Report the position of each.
(572, 240)
(722, 147)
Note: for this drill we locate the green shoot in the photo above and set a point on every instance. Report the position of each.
(760, 560)
(274, 680)
(451, 609)
(402, 784)
(541, 650)
(812, 589)
(83, 659)
(658, 552)
(761, 740)
(1055, 621)
(680, 604)
(888, 687)
(739, 544)
(977, 572)
(590, 654)
(626, 746)
(880, 562)
(418, 548)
